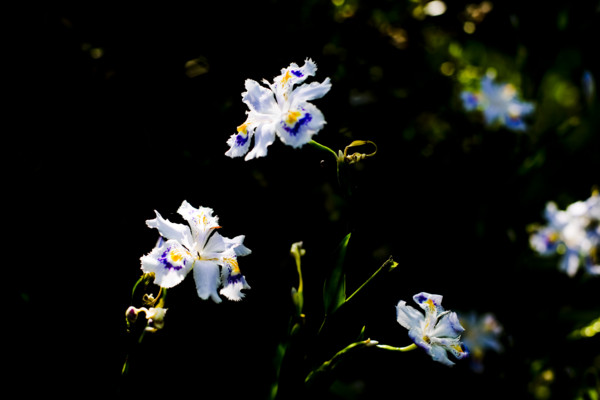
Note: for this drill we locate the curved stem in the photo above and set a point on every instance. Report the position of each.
(325, 148)
(329, 365)
(400, 349)
(389, 265)
(335, 155)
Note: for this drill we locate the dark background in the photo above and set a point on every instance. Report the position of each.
(107, 124)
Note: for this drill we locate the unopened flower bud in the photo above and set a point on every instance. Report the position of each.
(131, 315)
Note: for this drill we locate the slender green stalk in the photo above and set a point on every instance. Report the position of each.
(325, 148)
(335, 155)
(388, 265)
(142, 279)
(329, 365)
(400, 349)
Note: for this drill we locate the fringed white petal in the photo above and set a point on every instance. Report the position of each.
(264, 137)
(171, 230)
(169, 261)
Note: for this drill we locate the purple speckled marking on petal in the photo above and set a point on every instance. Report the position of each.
(298, 73)
(241, 140)
(293, 130)
(234, 278)
(163, 259)
(421, 298)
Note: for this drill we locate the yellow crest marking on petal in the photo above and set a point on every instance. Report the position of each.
(430, 304)
(286, 78)
(235, 267)
(243, 128)
(292, 117)
(175, 255)
(458, 348)
(202, 218)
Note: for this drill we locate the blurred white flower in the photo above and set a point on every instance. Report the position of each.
(499, 104)
(482, 333)
(573, 233)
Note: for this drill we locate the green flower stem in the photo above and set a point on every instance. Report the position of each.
(400, 349)
(298, 293)
(325, 148)
(387, 266)
(338, 160)
(328, 366)
(139, 281)
(297, 252)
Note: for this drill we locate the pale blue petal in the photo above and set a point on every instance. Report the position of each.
(237, 244)
(448, 326)
(454, 346)
(416, 335)
(525, 108)
(206, 275)
(569, 262)
(438, 353)
(214, 247)
(492, 114)
(491, 342)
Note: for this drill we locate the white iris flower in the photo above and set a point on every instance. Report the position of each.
(438, 331)
(198, 248)
(280, 109)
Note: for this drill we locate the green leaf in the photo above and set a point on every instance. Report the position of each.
(334, 288)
